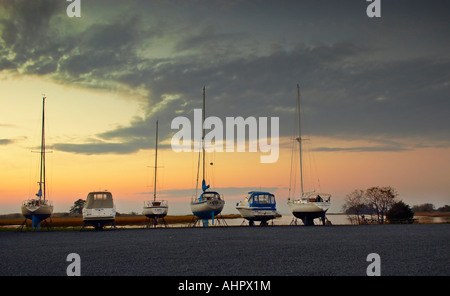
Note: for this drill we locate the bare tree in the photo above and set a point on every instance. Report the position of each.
(381, 199)
(355, 203)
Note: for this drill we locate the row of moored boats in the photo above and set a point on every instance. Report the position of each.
(257, 206)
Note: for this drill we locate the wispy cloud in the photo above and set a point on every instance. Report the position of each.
(6, 141)
(361, 149)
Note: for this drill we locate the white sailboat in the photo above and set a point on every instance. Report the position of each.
(156, 209)
(210, 203)
(310, 205)
(40, 208)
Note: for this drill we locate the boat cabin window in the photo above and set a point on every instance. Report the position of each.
(262, 199)
(100, 196)
(209, 195)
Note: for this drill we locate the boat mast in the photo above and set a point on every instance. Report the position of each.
(42, 169)
(156, 161)
(203, 133)
(300, 138)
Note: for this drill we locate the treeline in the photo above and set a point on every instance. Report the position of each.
(382, 202)
(372, 201)
(428, 207)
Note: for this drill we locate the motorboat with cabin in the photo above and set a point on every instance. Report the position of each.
(258, 206)
(99, 210)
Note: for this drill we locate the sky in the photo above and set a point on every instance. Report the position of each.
(375, 97)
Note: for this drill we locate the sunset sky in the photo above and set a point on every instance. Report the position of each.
(375, 97)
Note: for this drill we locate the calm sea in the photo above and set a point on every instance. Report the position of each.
(338, 219)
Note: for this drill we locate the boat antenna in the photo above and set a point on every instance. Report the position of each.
(300, 139)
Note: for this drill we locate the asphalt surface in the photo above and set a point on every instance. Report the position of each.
(417, 250)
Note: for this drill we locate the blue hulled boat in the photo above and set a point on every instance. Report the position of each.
(210, 203)
(258, 206)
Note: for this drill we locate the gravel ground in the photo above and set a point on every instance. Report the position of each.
(418, 250)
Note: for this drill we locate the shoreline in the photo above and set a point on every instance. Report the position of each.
(65, 220)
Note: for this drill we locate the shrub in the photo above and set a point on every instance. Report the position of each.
(399, 211)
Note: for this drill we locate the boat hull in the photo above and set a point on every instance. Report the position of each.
(207, 209)
(253, 214)
(36, 211)
(308, 211)
(42, 211)
(155, 211)
(99, 217)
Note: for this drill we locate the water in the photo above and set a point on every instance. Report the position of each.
(337, 219)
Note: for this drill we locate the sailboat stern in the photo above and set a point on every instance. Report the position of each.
(207, 206)
(37, 211)
(310, 207)
(156, 209)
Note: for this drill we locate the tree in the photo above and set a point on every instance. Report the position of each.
(399, 211)
(445, 208)
(354, 203)
(426, 207)
(381, 199)
(77, 207)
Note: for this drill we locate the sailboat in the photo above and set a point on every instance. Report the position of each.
(210, 203)
(258, 206)
(155, 209)
(40, 208)
(310, 205)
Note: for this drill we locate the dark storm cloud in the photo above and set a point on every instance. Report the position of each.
(350, 88)
(27, 32)
(103, 50)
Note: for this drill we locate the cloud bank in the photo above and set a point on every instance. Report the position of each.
(360, 78)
